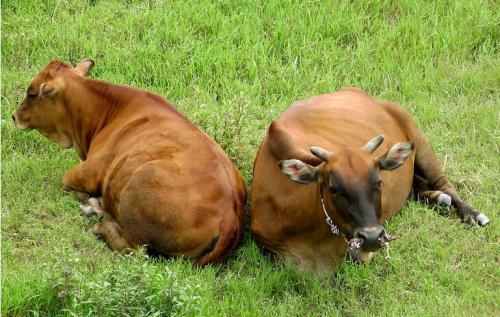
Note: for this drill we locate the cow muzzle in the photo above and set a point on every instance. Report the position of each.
(370, 239)
(14, 118)
(18, 123)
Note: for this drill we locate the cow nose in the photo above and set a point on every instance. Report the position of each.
(14, 118)
(371, 238)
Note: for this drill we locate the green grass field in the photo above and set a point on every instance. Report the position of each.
(232, 67)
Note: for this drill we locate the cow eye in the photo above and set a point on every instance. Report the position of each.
(338, 193)
(342, 195)
(32, 95)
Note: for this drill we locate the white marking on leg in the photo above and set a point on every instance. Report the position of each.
(89, 211)
(94, 202)
(444, 199)
(482, 219)
(86, 211)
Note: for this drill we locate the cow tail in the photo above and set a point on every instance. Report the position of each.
(229, 238)
(231, 227)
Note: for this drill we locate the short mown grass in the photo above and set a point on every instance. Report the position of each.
(232, 67)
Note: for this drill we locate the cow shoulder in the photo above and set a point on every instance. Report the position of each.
(354, 90)
(401, 117)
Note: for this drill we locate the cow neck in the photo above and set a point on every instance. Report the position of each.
(335, 230)
(92, 105)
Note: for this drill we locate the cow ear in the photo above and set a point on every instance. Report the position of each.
(84, 67)
(47, 90)
(299, 171)
(396, 156)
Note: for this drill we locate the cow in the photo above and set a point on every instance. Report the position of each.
(332, 169)
(154, 178)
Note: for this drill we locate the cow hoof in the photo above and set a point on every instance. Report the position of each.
(477, 220)
(482, 220)
(90, 211)
(94, 202)
(87, 211)
(444, 199)
(96, 229)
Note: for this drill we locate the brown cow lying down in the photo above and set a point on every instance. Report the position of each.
(366, 154)
(164, 183)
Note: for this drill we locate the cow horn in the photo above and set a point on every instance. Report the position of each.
(374, 143)
(320, 152)
(84, 67)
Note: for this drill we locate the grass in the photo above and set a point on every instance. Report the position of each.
(232, 67)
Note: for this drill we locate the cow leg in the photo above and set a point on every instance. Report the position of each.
(110, 231)
(434, 197)
(82, 180)
(93, 208)
(429, 168)
(83, 197)
(425, 195)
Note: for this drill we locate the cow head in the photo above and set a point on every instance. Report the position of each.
(350, 183)
(43, 107)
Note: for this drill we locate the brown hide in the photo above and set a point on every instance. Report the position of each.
(164, 182)
(287, 217)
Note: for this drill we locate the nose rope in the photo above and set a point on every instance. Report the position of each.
(329, 221)
(354, 243)
(385, 246)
